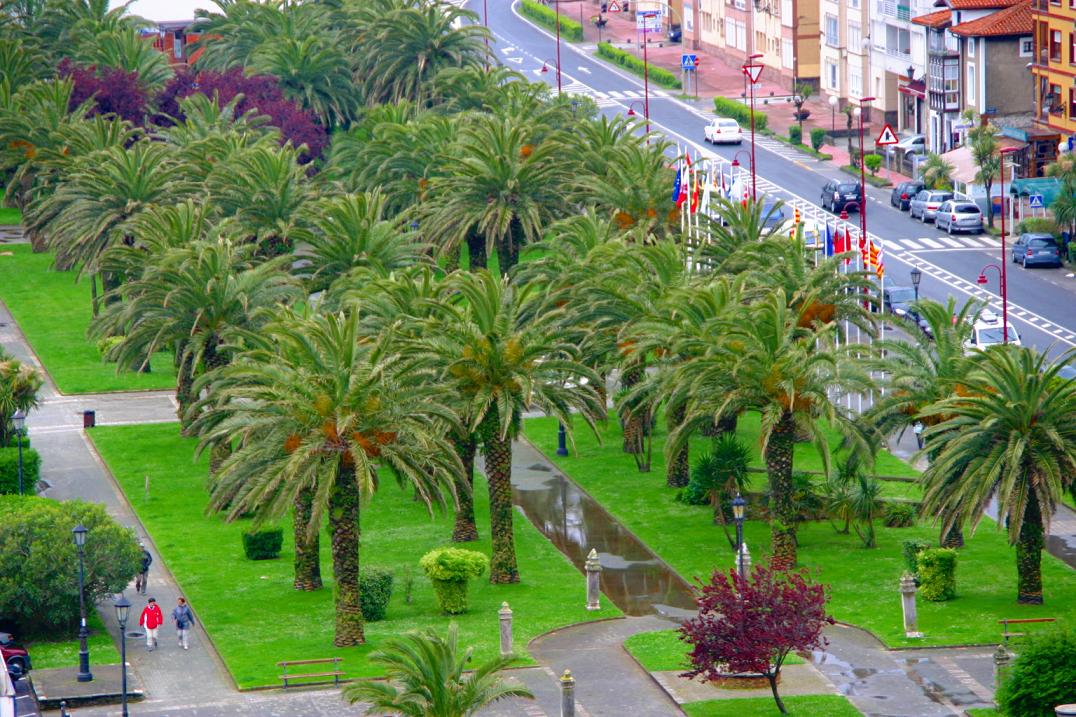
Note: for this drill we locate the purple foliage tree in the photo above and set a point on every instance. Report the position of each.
(113, 90)
(751, 625)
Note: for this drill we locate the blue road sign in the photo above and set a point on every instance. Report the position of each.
(688, 61)
(1035, 201)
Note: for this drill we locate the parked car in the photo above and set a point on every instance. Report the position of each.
(838, 196)
(959, 216)
(16, 658)
(897, 299)
(988, 331)
(723, 131)
(1036, 250)
(912, 144)
(773, 213)
(926, 203)
(902, 194)
(675, 33)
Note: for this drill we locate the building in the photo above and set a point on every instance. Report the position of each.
(995, 50)
(1053, 64)
(174, 39)
(896, 60)
(843, 49)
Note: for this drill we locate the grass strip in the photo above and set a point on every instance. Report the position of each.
(863, 582)
(546, 17)
(9, 216)
(54, 651)
(633, 64)
(801, 706)
(664, 651)
(54, 312)
(254, 616)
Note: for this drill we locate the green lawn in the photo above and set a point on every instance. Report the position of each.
(805, 706)
(54, 312)
(10, 216)
(52, 652)
(984, 712)
(863, 582)
(250, 609)
(664, 651)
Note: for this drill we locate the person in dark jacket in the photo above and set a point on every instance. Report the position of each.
(143, 577)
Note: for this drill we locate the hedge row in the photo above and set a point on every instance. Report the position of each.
(569, 29)
(9, 470)
(633, 64)
(739, 112)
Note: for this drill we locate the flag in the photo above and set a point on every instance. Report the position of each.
(706, 193)
(830, 249)
(840, 241)
(695, 192)
(876, 260)
(676, 187)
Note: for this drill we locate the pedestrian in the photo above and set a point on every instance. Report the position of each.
(918, 430)
(183, 618)
(143, 577)
(151, 619)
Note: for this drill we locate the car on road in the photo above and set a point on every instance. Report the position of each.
(926, 203)
(959, 216)
(839, 196)
(772, 212)
(16, 658)
(902, 194)
(897, 299)
(912, 144)
(723, 131)
(1036, 250)
(987, 331)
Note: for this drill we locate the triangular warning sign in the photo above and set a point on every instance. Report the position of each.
(753, 72)
(887, 136)
(613, 7)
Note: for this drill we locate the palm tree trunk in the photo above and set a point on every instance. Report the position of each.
(724, 424)
(307, 544)
(93, 294)
(344, 525)
(952, 538)
(465, 529)
(678, 472)
(1029, 555)
(498, 453)
(184, 390)
(782, 509)
(213, 359)
(476, 247)
(632, 422)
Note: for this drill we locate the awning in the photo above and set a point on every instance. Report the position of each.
(1048, 187)
(915, 88)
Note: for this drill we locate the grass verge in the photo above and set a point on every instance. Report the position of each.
(54, 652)
(871, 180)
(805, 148)
(804, 706)
(254, 616)
(663, 651)
(635, 65)
(9, 216)
(570, 30)
(54, 313)
(863, 582)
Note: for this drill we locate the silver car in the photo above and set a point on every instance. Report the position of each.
(956, 216)
(925, 204)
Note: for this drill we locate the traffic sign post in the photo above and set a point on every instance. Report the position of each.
(688, 62)
(753, 71)
(886, 137)
(1035, 201)
(614, 6)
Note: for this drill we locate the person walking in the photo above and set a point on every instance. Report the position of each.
(183, 618)
(143, 576)
(151, 619)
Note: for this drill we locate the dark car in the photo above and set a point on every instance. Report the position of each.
(675, 34)
(897, 299)
(902, 194)
(17, 658)
(1036, 250)
(839, 196)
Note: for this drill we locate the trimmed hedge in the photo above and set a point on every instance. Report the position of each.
(631, 63)
(911, 549)
(739, 112)
(795, 134)
(449, 569)
(375, 589)
(937, 574)
(818, 138)
(9, 470)
(264, 544)
(546, 17)
(1043, 676)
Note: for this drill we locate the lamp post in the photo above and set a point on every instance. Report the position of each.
(84, 674)
(917, 276)
(864, 103)
(752, 75)
(556, 11)
(562, 440)
(1004, 279)
(19, 421)
(738, 505)
(833, 101)
(981, 280)
(123, 610)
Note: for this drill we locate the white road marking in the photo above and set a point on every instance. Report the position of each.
(584, 70)
(516, 60)
(952, 242)
(931, 243)
(910, 244)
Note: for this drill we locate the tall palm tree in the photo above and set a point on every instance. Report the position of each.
(319, 410)
(314, 72)
(936, 172)
(502, 359)
(19, 384)
(1009, 436)
(127, 50)
(426, 677)
(983, 143)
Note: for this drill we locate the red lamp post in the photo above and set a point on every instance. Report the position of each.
(863, 101)
(1004, 278)
(753, 71)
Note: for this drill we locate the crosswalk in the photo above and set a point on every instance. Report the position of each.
(942, 242)
(610, 98)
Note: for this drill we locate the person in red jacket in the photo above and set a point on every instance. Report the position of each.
(151, 619)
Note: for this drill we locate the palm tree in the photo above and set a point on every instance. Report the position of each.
(126, 50)
(503, 359)
(1008, 437)
(426, 677)
(633, 188)
(936, 172)
(319, 410)
(314, 72)
(983, 143)
(19, 384)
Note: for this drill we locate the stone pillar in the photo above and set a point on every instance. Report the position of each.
(594, 571)
(743, 560)
(506, 629)
(567, 694)
(1003, 658)
(907, 602)
(1065, 710)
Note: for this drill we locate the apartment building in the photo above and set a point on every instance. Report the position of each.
(896, 59)
(1053, 64)
(844, 53)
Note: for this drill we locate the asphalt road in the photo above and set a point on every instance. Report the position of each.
(1038, 299)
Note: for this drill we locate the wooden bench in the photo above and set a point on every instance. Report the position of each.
(335, 673)
(1006, 634)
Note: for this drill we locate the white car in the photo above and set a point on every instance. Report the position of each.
(723, 131)
(987, 331)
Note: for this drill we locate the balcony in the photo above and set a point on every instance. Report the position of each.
(939, 47)
(889, 8)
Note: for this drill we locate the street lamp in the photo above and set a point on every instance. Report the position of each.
(562, 440)
(863, 102)
(1004, 279)
(123, 610)
(917, 276)
(738, 505)
(19, 421)
(556, 11)
(84, 674)
(833, 101)
(753, 77)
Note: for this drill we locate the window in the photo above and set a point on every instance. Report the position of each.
(787, 16)
(1027, 46)
(855, 36)
(1072, 48)
(854, 4)
(855, 83)
(833, 38)
(1055, 46)
(786, 54)
(831, 75)
(971, 84)
(730, 32)
(1072, 103)
(971, 47)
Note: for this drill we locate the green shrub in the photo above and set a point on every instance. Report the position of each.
(911, 550)
(795, 133)
(449, 569)
(9, 469)
(38, 559)
(1038, 225)
(107, 344)
(547, 17)
(633, 64)
(375, 589)
(263, 544)
(1042, 677)
(937, 574)
(818, 138)
(899, 515)
(873, 162)
(739, 112)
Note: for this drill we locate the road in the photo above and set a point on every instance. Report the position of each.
(1038, 298)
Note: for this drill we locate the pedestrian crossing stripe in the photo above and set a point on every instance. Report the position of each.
(931, 243)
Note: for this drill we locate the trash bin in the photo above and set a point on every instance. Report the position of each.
(89, 419)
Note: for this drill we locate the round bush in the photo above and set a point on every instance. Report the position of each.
(449, 569)
(899, 515)
(818, 138)
(937, 574)
(375, 590)
(263, 544)
(9, 469)
(1042, 677)
(911, 550)
(795, 134)
(873, 163)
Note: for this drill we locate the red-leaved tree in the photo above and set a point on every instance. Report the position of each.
(752, 625)
(113, 90)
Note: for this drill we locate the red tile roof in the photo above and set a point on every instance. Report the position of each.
(1015, 20)
(977, 4)
(936, 20)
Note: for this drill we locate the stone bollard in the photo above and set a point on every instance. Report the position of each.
(1065, 710)
(907, 603)
(1003, 658)
(567, 694)
(594, 571)
(506, 629)
(743, 561)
